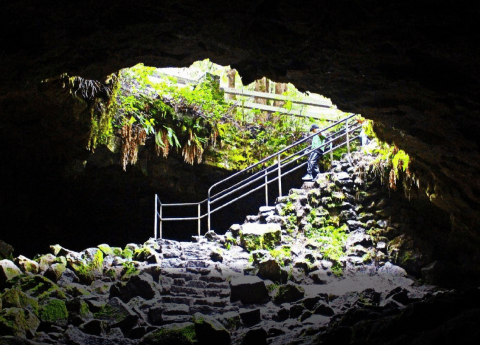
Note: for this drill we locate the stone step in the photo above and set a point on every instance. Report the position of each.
(212, 302)
(175, 309)
(184, 291)
(209, 310)
(217, 293)
(218, 286)
(212, 278)
(168, 319)
(178, 300)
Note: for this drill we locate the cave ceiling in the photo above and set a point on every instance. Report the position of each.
(411, 66)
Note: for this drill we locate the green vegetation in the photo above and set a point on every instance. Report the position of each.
(332, 240)
(390, 164)
(54, 311)
(141, 103)
(128, 270)
(86, 272)
(280, 254)
(173, 335)
(127, 254)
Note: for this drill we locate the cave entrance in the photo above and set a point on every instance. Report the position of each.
(206, 115)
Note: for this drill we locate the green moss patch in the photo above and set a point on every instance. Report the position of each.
(18, 322)
(39, 287)
(177, 334)
(54, 311)
(260, 236)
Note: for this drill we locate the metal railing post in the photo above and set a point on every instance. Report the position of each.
(279, 176)
(331, 152)
(161, 223)
(266, 188)
(208, 211)
(156, 208)
(348, 138)
(199, 219)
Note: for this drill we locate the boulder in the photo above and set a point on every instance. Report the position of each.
(78, 312)
(40, 287)
(54, 311)
(256, 336)
(260, 236)
(210, 331)
(117, 314)
(155, 315)
(6, 250)
(174, 334)
(250, 317)
(18, 322)
(358, 237)
(55, 271)
(15, 298)
(141, 285)
(94, 327)
(67, 278)
(271, 269)
(75, 336)
(248, 289)
(8, 270)
(392, 270)
(106, 249)
(235, 229)
(26, 265)
(216, 255)
(289, 292)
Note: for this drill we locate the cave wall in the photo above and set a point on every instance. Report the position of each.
(411, 66)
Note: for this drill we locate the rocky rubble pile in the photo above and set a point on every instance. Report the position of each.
(319, 263)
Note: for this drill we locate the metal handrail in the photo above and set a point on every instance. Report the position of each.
(257, 176)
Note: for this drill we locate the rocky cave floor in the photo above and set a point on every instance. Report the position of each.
(267, 281)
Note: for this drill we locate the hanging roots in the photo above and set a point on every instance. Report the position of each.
(163, 146)
(89, 89)
(192, 149)
(131, 139)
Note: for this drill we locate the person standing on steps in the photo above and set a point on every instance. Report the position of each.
(316, 151)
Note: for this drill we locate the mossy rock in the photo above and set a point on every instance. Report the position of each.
(38, 286)
(8, 270)
(210, 331)
(76, 290)
(117, 251)
(260, 236)
(127, 253)
(55, 271)
(409, 253)
(143, 254)
(175, 334)
(45, 261)
(84, 272)
(61, 260)
(314, 197)
(27, 265)
(78, 311)
(54, 311)
(289, 293)
(106, 249)
(6, 251)
(15, 298)
(18, 322)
